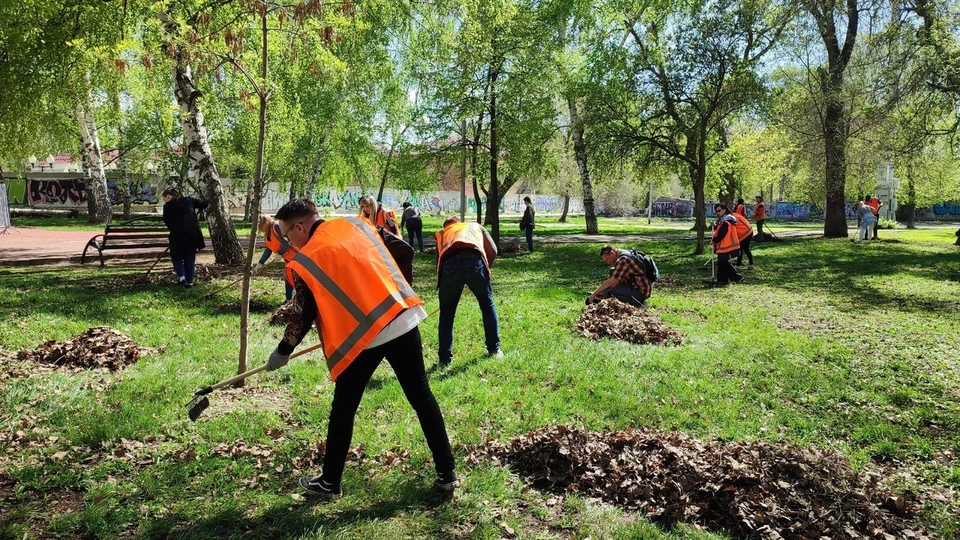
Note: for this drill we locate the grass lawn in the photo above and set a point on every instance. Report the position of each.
(851, 348)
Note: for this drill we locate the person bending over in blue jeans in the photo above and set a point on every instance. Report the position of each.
(465, 252)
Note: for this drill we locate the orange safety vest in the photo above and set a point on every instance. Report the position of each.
(740, 209)
(874, 203)
(380, 218)
(356, 284)
(281, 247)
(760, 212)
(461, 235)
(729, 242)
(744, 230)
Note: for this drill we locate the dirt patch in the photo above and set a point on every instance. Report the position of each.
(97, 347)
(166, 276)
(668, 281)
(55, 503)
(612, 318)
(751, 489)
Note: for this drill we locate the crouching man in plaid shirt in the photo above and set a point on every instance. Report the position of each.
(627, 281)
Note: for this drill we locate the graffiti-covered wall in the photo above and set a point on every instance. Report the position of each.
(70, 192)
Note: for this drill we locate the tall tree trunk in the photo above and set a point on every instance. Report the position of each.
(223, 236)
(835, 122)
(386, 171)
(100, 209)
(697, 166)
(580, 151)
(566, 206)
(493, 200)
(257, 191)
(835, 146)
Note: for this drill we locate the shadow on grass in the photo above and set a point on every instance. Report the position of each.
(310, 515)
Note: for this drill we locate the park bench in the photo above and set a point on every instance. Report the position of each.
(136, 234)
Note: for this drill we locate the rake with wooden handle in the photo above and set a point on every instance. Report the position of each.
(200, 402)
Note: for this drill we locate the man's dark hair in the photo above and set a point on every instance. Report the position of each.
(171, 191)
(866, 199)
(740, 200)
(527, 200)
(607, 249)
(718, 205)
(760, 198)
(297, 209)
(406, 204)
(450, 221)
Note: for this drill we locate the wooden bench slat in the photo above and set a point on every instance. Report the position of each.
(131, 236)
(125, 230)
(134, 246)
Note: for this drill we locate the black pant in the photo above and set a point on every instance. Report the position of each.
(405, 355)
(415, 227)
(760, 230)
(745, 248)
(726, 273)
(876, 225)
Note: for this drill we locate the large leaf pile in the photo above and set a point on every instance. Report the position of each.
(612, 318)
(750, 489)
(282, 313)
(98, 347)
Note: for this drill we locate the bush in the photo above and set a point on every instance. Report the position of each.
(888, 224)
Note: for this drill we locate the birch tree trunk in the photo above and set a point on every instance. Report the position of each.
(580, 150)
(223, 236)
(97, 182)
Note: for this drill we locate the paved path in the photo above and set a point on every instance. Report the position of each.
(30, 246)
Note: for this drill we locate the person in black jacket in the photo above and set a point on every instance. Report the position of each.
(527, 222)
(186, 238)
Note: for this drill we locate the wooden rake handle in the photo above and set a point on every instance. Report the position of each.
(254, 371)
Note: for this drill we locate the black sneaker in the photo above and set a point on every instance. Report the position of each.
(318, 486)
(446, 481)
(444, 362)
(188, 284)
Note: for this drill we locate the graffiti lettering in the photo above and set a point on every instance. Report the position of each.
(56, 192)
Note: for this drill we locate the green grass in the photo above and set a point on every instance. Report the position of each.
(832, 344)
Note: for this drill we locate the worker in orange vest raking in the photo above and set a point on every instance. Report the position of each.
(726, 245)
(744, 236)
(271, 238)
(760, 216)
(365, 311)
(378, 214)
(874, 204)
(465, 252)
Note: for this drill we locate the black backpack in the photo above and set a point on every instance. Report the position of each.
(649, 267)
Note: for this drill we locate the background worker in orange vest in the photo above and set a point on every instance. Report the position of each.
(874, 204)
(760, 216)
(365, 311)
(740, 208)
(378, 214)
(465, 252)
(744, 236)
(271, 237)
(725, 245)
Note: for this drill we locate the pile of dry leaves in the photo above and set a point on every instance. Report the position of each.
(513, 247)
(750, 489)
(612, 318)
(282, 314)
(668, 281)
(98, 347)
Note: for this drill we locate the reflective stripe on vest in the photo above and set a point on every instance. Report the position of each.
(729, 242)
(463, 235)
(341, 350)
(744, 229)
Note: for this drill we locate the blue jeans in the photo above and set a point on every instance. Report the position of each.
(456, 272)
(186, 267)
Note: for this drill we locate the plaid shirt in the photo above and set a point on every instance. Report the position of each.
(630, 272)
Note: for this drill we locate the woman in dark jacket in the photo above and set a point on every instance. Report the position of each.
(527, 222)
(186, 238)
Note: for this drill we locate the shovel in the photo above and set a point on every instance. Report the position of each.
(200, 402)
